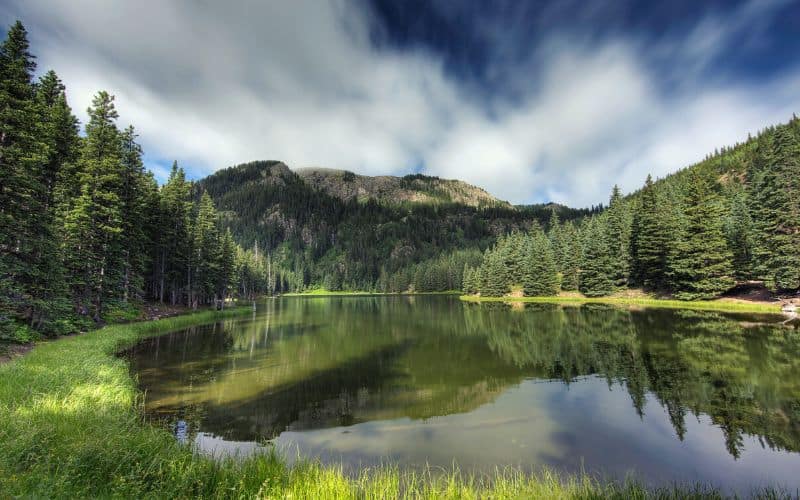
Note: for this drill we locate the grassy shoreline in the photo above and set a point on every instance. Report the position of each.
(334, 293)
(722, 305)
(71, 427)
(703, 305)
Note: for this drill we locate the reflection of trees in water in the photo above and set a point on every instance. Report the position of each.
(744, 378)
(300, 364)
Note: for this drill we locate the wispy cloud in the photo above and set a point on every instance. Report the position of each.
(302, 81)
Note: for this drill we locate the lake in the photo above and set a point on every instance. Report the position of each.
(666, 395)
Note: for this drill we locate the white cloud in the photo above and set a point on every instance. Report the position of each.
(299, 81)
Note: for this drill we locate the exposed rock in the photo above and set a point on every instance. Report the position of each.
(390, 189)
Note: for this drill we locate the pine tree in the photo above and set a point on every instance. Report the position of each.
(618, 224)
(758, 206)
(22, 155)
(138, 191)
(554, 233)
(700, 261)
(93, 222)
(173, 239)
(23, 210)
(651, 240)
(596, 267)
(58, 134)
(227, 266)
(779, 197)
(493, 273)
(206, 253)
(541, 274)
(570, 257)
(468, 283)
(739, 230)
(511, 253)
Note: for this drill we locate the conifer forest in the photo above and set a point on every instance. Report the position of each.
(369, 249)
(87, 233)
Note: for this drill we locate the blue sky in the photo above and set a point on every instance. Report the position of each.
(534, 101)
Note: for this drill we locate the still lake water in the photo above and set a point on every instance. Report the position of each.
(664, 394)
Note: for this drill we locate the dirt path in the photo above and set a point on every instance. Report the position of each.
(14, 351)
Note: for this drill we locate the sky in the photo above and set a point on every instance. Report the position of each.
(535, 101)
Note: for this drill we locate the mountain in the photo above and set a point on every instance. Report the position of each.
(416, 188)
(344, 231)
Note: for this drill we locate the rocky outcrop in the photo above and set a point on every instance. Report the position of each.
(418, 188)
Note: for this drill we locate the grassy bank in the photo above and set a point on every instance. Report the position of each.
(320, 292)
(704, 305)
(70, 427)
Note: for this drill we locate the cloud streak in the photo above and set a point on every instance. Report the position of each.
(304, 82)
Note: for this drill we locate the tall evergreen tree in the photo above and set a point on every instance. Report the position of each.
(540, 277)
(651, 240)
(172, 245)
(739, 232)
(205, 259)
(618, 224)
(469, 286)
(571, 251)
(700, 261)
(58, 134)
(554, 233)
(227, 266)
(778, 195)
(138, 192)
(758, 205)
(512, 254)
(25, 222)
(93, 221)
(493, 272)
(596, 278)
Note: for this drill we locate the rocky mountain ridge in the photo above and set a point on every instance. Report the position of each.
(416, 188)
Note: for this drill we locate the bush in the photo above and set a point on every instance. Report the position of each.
(16, 333)
(122, 313)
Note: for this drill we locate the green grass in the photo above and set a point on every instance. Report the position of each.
(71, 427)
(704, 305)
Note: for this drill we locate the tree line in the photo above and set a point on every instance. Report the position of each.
(86, 234)
(733, 218)
(319, 240)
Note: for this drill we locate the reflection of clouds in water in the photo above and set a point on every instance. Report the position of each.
(221, 448)
(507, 431)
(606, 437)
(514, 389)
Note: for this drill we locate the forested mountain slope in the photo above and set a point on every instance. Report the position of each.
(319, 231)
(732, 218)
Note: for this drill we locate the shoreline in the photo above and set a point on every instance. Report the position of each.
(149, 312)
(722, 305)
(333, 293)
(73, 427)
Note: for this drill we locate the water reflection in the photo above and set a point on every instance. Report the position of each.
(434, 380)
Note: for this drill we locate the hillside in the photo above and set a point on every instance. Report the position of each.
(340, 230)
(391, 189)
(728, 222)
(321, 232)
